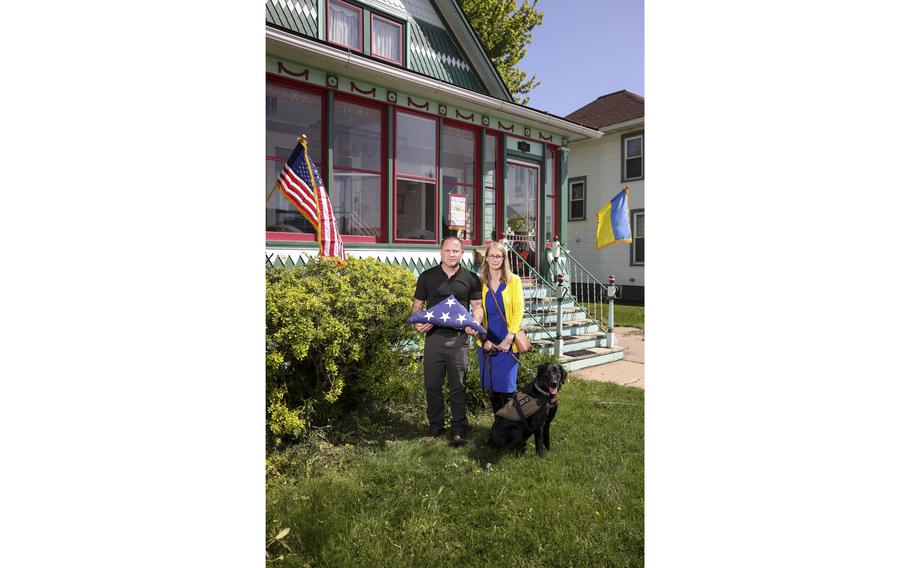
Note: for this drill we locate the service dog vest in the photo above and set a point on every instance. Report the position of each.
(529, 406)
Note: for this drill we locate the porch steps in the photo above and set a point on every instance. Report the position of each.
(584, 344)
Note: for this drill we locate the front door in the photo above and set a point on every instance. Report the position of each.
(521, 211)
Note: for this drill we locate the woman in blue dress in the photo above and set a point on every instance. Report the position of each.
(503, 309)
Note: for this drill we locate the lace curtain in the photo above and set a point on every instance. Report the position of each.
(386, 40)
(345, 25)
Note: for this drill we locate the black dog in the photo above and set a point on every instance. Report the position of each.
(529, 412)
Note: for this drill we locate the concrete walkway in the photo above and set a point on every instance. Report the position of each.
(628, 371)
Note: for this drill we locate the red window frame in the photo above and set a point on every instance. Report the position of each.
(328, 26)
(498, 211)
(383, 130)
(396, 176)
(476, 182)
(285, 82)
(400, 39)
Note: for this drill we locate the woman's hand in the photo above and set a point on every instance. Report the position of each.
(487, 345)
(505, 345)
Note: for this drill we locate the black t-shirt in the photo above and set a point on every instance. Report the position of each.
(434, 286)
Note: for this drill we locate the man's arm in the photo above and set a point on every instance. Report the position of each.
(416, 307)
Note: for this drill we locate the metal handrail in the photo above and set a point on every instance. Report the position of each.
(538, 279)
(574, 265)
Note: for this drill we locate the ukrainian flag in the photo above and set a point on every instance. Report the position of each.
(613, 225)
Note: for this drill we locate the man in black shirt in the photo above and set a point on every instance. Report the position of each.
(445, 351)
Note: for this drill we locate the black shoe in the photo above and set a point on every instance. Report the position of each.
(457, 440)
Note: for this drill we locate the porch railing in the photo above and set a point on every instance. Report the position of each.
(542, 293)
(589, 292)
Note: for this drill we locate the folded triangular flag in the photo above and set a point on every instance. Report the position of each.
(448, 313)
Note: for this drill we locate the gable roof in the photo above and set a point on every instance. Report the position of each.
(442, 45)
(610, 109)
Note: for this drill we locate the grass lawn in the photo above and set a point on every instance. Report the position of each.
(623, 316)
(387, 498)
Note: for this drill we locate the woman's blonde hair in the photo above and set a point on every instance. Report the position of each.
(485, 267)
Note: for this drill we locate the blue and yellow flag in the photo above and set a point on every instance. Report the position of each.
(613, 224)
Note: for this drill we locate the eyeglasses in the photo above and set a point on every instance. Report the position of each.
(494, 256)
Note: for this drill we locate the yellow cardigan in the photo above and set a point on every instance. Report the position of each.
(513, 305)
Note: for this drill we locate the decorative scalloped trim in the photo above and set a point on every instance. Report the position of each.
(282, 69)
(459, 115)
(371, 92)
(509, 129)
(424, 106)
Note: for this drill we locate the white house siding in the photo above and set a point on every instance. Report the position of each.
(600, 161)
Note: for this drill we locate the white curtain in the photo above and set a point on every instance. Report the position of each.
(386, 40)
(345, 27)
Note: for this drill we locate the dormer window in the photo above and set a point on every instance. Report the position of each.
(386, 39)
(345, 23)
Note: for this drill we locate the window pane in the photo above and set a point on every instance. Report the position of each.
(468, 193)
(578, 191)
(633, 147)
(357, 203)
(548, 183)
(640, 226)
(386, 39)
(416, 145)
(639, 250)
(490, 155)
(521, 198)
(633, 168)
(344, 25)
(548, 220)
(356, 136)
(280, 215)
(490, 158)
(415, 210)
(458, 155)
(289, 113)
(489, 213)
(577, 210)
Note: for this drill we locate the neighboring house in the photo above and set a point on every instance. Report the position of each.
(405, 114)
(598, 170)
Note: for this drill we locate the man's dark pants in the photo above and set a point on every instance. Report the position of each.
(445, 353)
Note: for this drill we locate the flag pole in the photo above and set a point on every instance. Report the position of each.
(302, 140)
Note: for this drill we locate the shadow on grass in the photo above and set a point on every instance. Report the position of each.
(479, 451)
(375, 425)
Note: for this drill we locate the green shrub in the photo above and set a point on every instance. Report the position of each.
(333, 337)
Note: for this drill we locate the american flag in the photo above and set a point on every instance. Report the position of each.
(296, 183)
(448, 313)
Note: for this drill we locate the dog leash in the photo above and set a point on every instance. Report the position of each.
(506, 320)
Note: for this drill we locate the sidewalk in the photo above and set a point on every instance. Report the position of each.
(628, 371)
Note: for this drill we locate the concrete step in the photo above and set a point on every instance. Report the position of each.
(570, 327)
(584, 358)
(547, 315)
(574, 342)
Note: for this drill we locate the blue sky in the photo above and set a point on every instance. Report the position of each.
(585, 49)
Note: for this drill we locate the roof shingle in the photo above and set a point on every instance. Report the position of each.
(610, 109)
